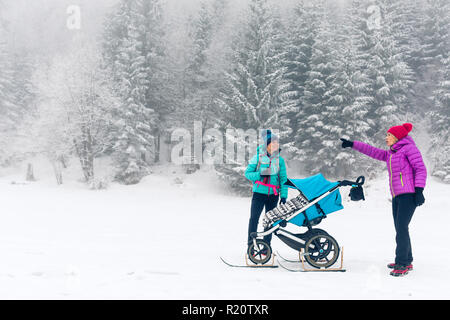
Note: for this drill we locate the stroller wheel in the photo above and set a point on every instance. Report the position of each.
(321, 251)
(261, 253)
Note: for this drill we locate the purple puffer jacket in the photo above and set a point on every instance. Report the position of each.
(404, 163)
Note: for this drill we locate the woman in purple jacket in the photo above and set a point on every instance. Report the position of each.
(407, 178)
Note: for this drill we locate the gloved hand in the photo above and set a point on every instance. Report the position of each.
(346, 143)
(266, 172)
(283, 200)
(418, 197)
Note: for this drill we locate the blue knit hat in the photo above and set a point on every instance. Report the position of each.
(268, 136)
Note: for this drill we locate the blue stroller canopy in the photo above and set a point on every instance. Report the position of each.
(314, 187)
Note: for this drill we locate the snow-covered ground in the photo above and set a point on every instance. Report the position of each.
(162, 240)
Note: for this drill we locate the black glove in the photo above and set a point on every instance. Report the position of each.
(346, 143)
(283, 200)
(266, 172)
(418, 197)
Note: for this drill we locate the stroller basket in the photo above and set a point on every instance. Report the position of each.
(284, 211)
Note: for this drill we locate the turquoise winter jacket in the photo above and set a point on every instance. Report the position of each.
(278, 169)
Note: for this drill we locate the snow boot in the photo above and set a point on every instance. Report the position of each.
(399, 271)
(393, 266)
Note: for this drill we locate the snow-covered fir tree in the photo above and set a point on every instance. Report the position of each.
(389, 74)
(435, 32)
(8, 110)
(256, 74)
(134, 53)
(407, 20)
(301, 34)
(353, 86)
(322, 103)
(440, 124)
(198, 78)
(203, 72)
(436, 61)
(16, 95)
(201, 33)
(251, 96)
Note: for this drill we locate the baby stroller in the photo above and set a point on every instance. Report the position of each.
(317, 198)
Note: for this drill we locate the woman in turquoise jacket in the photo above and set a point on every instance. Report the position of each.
(267, 171)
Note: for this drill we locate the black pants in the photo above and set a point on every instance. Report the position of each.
(403, 207)
(260, 200)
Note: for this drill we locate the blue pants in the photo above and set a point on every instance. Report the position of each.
(403, 207)
(259, 201)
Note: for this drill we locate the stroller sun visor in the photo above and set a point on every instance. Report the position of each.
(314, 187)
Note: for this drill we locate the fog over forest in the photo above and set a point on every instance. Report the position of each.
(113, 79)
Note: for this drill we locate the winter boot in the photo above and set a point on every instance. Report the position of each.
(393, 265)
(399, 271)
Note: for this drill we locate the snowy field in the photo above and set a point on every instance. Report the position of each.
(162, 240)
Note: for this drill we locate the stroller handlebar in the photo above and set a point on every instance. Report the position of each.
(359, 182)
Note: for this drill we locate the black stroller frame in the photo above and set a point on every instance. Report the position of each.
(318, 248)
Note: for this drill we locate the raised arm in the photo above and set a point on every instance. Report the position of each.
(375, 153)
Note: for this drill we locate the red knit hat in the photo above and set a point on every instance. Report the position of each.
(401, 131)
